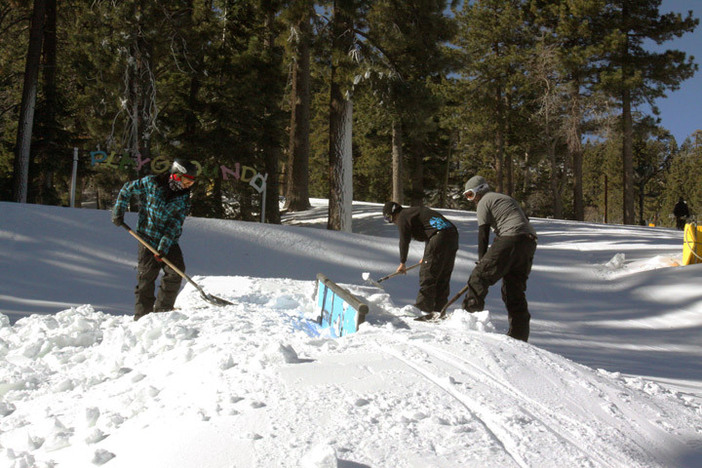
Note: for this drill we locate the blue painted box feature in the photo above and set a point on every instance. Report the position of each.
(339, 310)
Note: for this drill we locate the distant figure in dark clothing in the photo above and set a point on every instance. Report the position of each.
(441, 244)
(681, 213)
(508, 258)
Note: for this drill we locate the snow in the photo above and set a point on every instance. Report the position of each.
(611, 376)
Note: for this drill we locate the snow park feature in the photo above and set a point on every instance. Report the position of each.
(339, 310)
(611, 376)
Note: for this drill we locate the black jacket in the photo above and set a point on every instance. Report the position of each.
(419, 223)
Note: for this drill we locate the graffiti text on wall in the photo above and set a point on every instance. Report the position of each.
(161, 164)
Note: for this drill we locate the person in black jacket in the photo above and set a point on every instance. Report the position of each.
(441, 244)
(681, 213)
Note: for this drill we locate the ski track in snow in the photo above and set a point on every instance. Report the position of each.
(526, 416)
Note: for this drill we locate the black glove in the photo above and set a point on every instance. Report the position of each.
(158, 257)
(118, 220)
(471, 304)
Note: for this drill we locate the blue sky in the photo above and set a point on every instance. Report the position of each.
(680, 111)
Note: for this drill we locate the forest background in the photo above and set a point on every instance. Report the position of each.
(553, 101)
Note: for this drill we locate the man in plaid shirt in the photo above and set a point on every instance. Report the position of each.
(164, 201)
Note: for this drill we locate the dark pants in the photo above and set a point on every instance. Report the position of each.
(510, 259)
(435, 271)
(148, 269)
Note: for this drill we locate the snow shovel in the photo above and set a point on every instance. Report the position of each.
(366, 275)
(218, 301)
(436, 316)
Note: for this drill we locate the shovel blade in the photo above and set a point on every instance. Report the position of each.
(431, 317)
(214, 300)
(367, 278)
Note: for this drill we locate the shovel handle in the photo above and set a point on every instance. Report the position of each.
(399, 273)
(452, 300)
(208, 297)
(156, 252)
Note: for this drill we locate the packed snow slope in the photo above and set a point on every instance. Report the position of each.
(611, 375)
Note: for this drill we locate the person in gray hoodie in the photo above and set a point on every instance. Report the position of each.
(509, 257)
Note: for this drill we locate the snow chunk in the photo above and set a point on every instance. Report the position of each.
(321, 456)
(278, 353)
(6, 408)
(102, 456)
(95, 436)
(479, 321)
(616, 263)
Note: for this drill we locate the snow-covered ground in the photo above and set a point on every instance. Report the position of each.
(611, 377)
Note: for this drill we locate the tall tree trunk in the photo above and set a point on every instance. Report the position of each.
(443, 196)
(27, 107)
(575, 148)
(627, 160)
(578, 204)
(297, 197)
(245, 203)
(216, 193)
(641, 195)
(340, 115)
(191, 120)
(627, 131)
(340, 162)
(526, 180)
(416, 177)
(46, 149)
(271, 146)
(508, 162)
(139, 95)
(555, 185)
(398, 194)
(499, 142)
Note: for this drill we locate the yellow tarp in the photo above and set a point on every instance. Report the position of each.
(692, 245)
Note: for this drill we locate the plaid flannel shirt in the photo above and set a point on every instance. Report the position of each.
(160, 216)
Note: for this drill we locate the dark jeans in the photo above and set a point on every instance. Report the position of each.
(510, 259)
(435, 271)
(148, 269)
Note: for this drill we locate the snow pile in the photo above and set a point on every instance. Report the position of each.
(611, 375)
(617, 267)
(259, 384)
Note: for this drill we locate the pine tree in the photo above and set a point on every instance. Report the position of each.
(407, 38)
(570, 35)
(633, 75)
(492, 55)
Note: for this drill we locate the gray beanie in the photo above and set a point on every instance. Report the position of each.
(477, 184)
